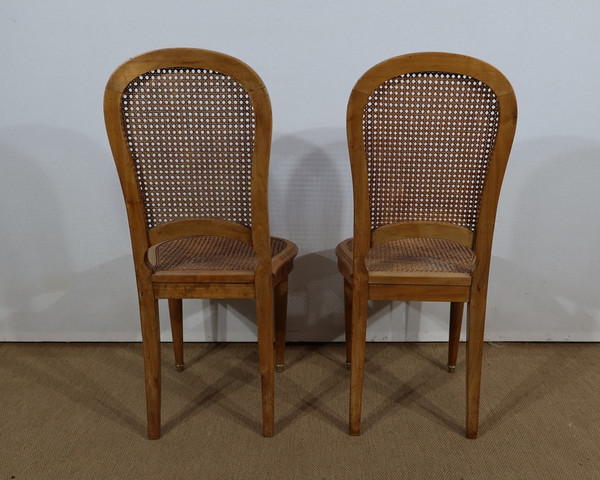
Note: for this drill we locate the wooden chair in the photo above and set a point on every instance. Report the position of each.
(190, 132)
(429, 136)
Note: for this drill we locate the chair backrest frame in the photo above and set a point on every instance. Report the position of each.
(481, 239)
(142, 237)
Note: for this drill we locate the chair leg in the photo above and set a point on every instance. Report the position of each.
(348, 321)
(151, 347)
(475, 331)
(358, 340)
(456, 314)
(176, 315)
(266, 357)
(280, 299)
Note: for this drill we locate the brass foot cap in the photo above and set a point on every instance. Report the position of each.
(280, 368)
(452, 368)
(179, 367)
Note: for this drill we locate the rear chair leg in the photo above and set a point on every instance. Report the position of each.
(280, 302)
(456, 314)
(176, 315)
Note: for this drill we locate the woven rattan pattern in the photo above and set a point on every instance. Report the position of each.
(191, 134)
(417, 255)
(210, 253)
(428, 138)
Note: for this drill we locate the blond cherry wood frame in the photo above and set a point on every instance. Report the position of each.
(267, 284)
(361, 285)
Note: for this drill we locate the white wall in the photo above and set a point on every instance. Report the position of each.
(65, 268)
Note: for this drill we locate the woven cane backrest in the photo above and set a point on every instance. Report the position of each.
(190, 132)
(428, 138)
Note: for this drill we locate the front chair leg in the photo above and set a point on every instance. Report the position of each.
(358, 340)
(264, 321)
(348, 321)
(151, 347)
(456, 314)
(475, 331)
(176, 315)
(280, 300)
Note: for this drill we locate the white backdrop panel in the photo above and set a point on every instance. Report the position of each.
(65, 267)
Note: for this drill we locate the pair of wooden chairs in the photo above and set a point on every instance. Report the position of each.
(429, 137)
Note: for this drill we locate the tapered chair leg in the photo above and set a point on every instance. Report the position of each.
(475, 332)
(348, 321)
(358, 341)
(266, 357)
(280, 299)
(456, 314)
(152, 374)
(176, 316)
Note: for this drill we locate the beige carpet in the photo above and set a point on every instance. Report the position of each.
(77, 411)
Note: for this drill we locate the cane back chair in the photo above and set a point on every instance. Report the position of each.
(429, 136)
(190, 132)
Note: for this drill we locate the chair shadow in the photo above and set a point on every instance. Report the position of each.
(198, 393)
(49, 235)
(400, 392)
(125, 364)
(85, 392)
(552, 239)
(417, 391)
(317, 401)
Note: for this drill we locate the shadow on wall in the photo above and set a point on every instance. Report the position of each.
(544, 274)
(544, 257)
(547, 286)
(63, 216)
(60, 196)
(310, 189)
(309, 194)
(313, 209)
(34, 263)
